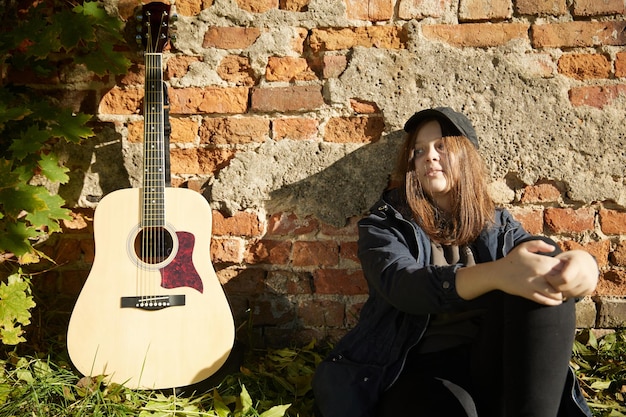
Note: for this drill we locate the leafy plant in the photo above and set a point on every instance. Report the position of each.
(601, 370)
(43, 41)
(39, 387)
(15, 305)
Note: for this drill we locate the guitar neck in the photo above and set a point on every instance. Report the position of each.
(153, 207)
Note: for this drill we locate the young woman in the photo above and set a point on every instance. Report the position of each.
(468, 314)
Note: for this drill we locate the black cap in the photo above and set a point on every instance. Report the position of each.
(459, 120)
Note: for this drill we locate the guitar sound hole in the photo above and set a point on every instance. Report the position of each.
(153, 245)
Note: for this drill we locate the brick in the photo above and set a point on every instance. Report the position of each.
(339, 281)
(272, 311)
(531, 219)
(184, 130)
(73, 281)
(286, 99)
(226, 250)
(249, 281)
(384, 37)
(372, 10)
(350, 230)
(360, 129)
(348, 251)
(297, 128)
(541, 193)
(178, 66)
(321, 313)
(612, 283)
(484, 9)
(208, 100)
(420, 9)
(289, 224)
(88, 249)
(334, 65)
(241, 223)
(611, 312)
(477, 35)
(567, 220)
(598, 7)
(230, 37)
(596, 96)
(237, 70)
(257, 6)
(275, 252)
(600, 250)
(541, 7)
(584, 66)
(578, 34)
(121, 101)
(67, 251)
(618, 256)
(620, 64)
(613, 222)
(298, 41)
(288, 69)
(192, 7)
(199, 161)
(294, 5)
(315, 253)
(363, 107)
(234, 131)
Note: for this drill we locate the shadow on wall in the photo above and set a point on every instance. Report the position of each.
(96, 168)
(344, 189)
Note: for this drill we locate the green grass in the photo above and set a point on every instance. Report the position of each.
(269, 383)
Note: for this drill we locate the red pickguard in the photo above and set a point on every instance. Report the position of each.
(181, 272)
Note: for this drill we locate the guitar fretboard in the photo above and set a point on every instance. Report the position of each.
(153, 207)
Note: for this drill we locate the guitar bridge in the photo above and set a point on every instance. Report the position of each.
(153, 302)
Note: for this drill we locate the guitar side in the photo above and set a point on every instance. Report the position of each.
(151, 348)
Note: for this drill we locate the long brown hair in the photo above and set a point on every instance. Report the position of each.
(472, 208)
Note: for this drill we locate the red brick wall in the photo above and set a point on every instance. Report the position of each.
(290, 276)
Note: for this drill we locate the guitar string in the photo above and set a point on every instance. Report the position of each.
(154, 231)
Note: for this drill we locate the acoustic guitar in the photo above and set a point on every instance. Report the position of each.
(152, 313)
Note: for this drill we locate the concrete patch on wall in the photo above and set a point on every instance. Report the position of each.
(330, 181)
(527, 127)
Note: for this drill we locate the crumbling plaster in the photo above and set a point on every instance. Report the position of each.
(527, 127)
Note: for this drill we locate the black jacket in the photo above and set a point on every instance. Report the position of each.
(403, 291)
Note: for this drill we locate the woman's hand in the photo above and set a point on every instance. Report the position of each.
(576, 274)
(527, 272)
(524, 272)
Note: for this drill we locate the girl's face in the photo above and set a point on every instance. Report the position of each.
(433, 163)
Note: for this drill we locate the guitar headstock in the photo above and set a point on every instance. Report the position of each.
(155, 24)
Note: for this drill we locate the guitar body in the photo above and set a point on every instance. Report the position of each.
(147, 323)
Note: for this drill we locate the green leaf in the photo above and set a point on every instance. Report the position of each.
(219, 405)
(15, 305)
(74, 29)
(29, 142)
(23, 197)
(48, 218)
(106, 60)
(93, 9)
(72, 127)
(52, 169)
(276, 411)
(601, 385)
(15, 237)
(246, 400)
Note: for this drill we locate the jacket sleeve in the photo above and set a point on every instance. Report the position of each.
(396, 269)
